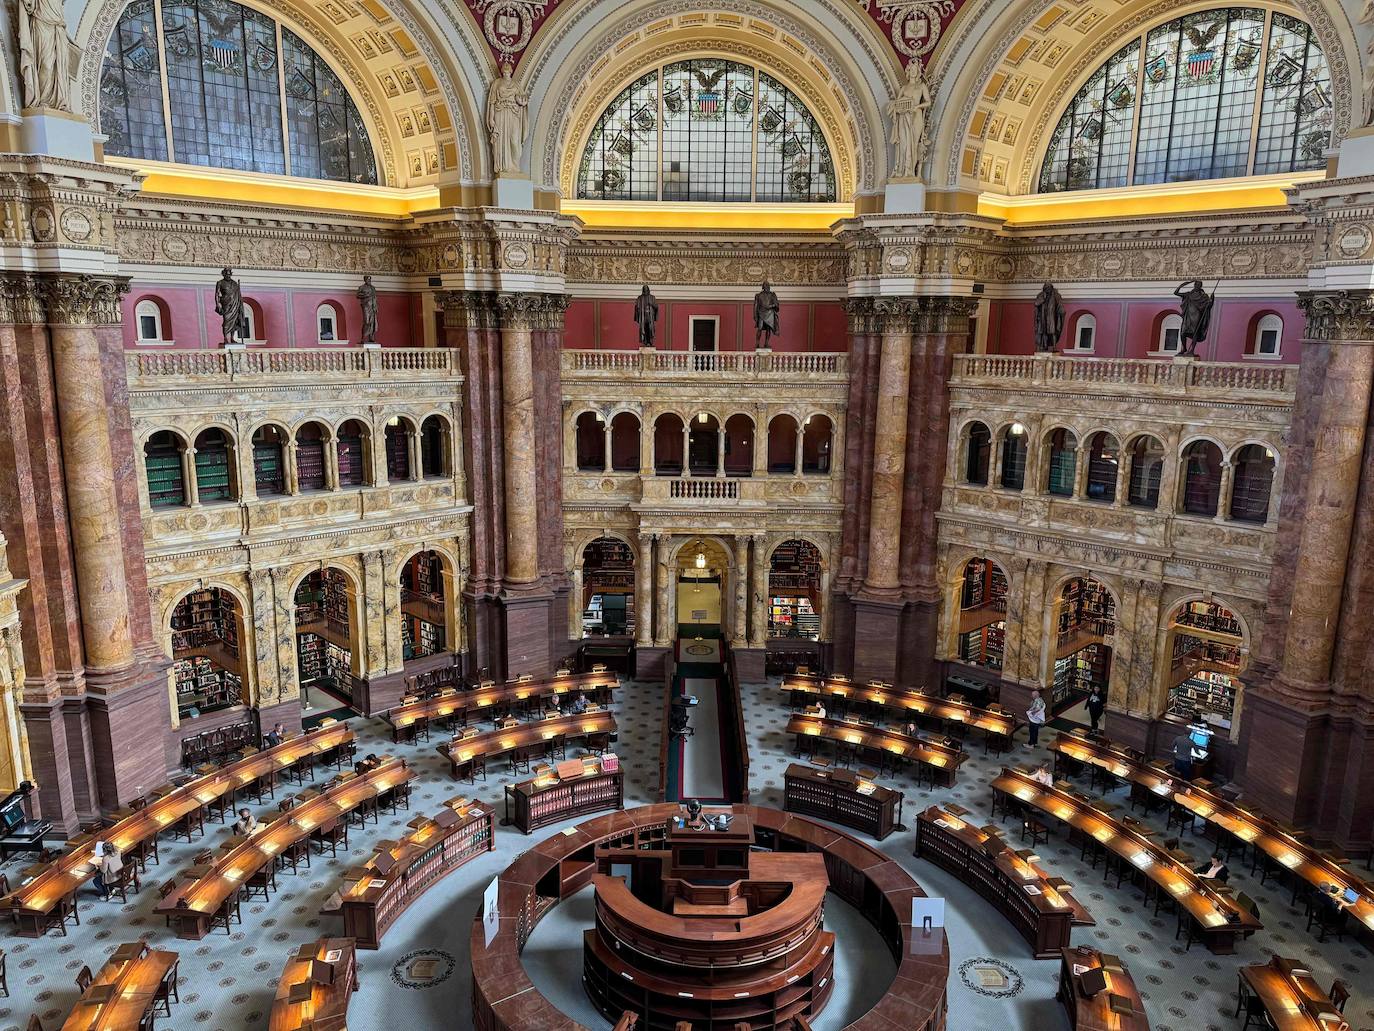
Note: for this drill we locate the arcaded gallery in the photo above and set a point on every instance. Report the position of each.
(651, 515)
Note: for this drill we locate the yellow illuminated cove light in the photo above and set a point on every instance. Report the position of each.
(650, 214)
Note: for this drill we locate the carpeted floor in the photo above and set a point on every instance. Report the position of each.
(228, 981)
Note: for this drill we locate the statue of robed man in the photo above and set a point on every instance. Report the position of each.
(1196, 309)
(765, 316)
(1049, 318)
(646, 317)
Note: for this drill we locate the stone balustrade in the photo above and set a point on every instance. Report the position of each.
(654, 364)
(1180, 377)
(158, 369)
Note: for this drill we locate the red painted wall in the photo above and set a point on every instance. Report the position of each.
(593, 324)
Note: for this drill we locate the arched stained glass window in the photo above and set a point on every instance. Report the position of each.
(707, 130)
(1211, 95)
(213, 86)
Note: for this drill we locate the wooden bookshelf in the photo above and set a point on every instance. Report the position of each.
(1040, 907)
(842, 797)
(376, 895)
(166, 487)
(574, 787)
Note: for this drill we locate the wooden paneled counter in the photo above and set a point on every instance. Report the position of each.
(492, 699)
(376, 895)
(1219, 920)
(32, 901)
(575, 787)
(885, 746)
(1041, 907)
(840, 796)
(900, 701)
(504, 998)
(191, 905)
(1117, 1006)
(532, 739)
(315, 987)
(124, 990)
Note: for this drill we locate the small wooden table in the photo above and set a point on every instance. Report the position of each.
(1117, 1007)
(315, 987)
(126, 988)
(1289, 994)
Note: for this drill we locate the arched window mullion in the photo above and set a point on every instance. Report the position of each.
(1221, 95)
(1299, 94)
(1260, 73)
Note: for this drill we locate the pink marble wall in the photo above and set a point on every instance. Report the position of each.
(593, 323)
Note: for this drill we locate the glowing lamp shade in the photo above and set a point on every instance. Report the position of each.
(1017, 429)
(701, 560)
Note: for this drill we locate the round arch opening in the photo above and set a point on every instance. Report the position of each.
(794, 591)
(1085, 615)
(207, 668)
(703, 576)
(1207, 653)
(608, 588)
(424, 611)
(326, 639)
(982, 628)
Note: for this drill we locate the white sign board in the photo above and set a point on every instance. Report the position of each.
(491, 918)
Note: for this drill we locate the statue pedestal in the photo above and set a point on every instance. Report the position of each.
(374, 346)
(904, 196)
(1356, 154)
(59, 134)
(513, 192)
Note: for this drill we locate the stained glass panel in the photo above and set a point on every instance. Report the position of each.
(225, 82)
(1198, 79)
(723, 139)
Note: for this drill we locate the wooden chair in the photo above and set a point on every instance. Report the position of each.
(1340, 991)
(1255, 1013)
(228, 910)
(4, 976)
(66, 907)
(261, 880)
(144, 851)
(34, 1023)
(331, 834)
(84, 977)
(163, 890)
(295, 853)
(121, 885)
(167, 993)
(204, 857)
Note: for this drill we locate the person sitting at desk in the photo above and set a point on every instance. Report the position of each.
(1041, 775)
(1215, 869)
(366, 764)
(1342, 897)
(247, 824)
(578, 705)
(1183, 756)
(108, 864)
(275, 736)
(818, 710)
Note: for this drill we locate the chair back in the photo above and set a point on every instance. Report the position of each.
(1246, 903)
(34, 1023)
(84, 977)
(166, 888)
(1340, 993)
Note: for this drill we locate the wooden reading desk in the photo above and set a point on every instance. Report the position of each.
(493, 699)
(1115, 1003)
(943, 761)
(1041, 907)
(376, 895)
(894, 699)
(132, 980)
(192, 905)
(315, 987)
(843, 797)
(32, 902)
(1218, 919)
(1290, 995)
(523, 739)
(1305, 862)
(573, 787)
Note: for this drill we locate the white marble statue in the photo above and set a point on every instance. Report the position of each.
(508, 114)
(44, 54)
(908, 113)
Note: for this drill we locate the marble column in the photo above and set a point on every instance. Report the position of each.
(1080, 470)
(889, 449)
(758, 596)
(575, 604)
(664, 635)
(644, 594)
(1228, 483)
(607, 465)
(290, 473)
(331, 461)
(413, 455)
(189, 481)
(720, 451)
(687, 447)
(518, 312)
(739, 635)
(760, 466)
(1123, 478)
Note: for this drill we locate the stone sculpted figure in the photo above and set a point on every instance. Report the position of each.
(229, 307)
(1049, 318)
(367, 298)
(1196, 304)
(908, 113)
(765, 315)
(45, 54)
(646, 317)
(507, 122)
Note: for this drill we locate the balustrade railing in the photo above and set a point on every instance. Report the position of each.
(745, 364)
(147, 368)
(703, 489)
(1183, 376)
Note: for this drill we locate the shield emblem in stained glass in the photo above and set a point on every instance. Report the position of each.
(142, 57)
(1246, 52)
(1121, 95)
(264, 57)
(1092, 129)
(224, 54)
(1282, 68)
(672, 100)
(298, 85)
(708, 102)
(1199, 64)
(1158, 69)
(178, 41)
(1314, 100)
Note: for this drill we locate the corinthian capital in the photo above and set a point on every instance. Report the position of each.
(531, 310)
(466, 309)
(1338, 314)
(81, 300)
(20, 304)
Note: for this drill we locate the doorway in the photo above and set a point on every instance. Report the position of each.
(702, 568)
(705, 332)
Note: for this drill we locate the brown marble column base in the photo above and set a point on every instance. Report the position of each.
(528, 618)
(877, 634)
(380, 693)
(650, 662)
(58, 760)
(484, 633)
(561, 648)
(749, 665)
(840, 654)
(916, 665)
(1285, 758)
(287, 712)
(123, 706)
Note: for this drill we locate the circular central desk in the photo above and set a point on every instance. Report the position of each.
(505, 999)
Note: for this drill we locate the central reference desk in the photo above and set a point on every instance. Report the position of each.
(125, 990)
(885, 746)
(524, 741)
(495, 699)
(192, 906)
(315, 987)
(1041, 907)
(31, 903)
(1216, 918)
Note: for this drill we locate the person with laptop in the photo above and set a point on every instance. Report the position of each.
(1215, 869)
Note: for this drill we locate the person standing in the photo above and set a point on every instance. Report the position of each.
(1035, 718)
(1097, 705)
(1183, 756)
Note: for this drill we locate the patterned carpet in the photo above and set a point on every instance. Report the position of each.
(421, 973)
